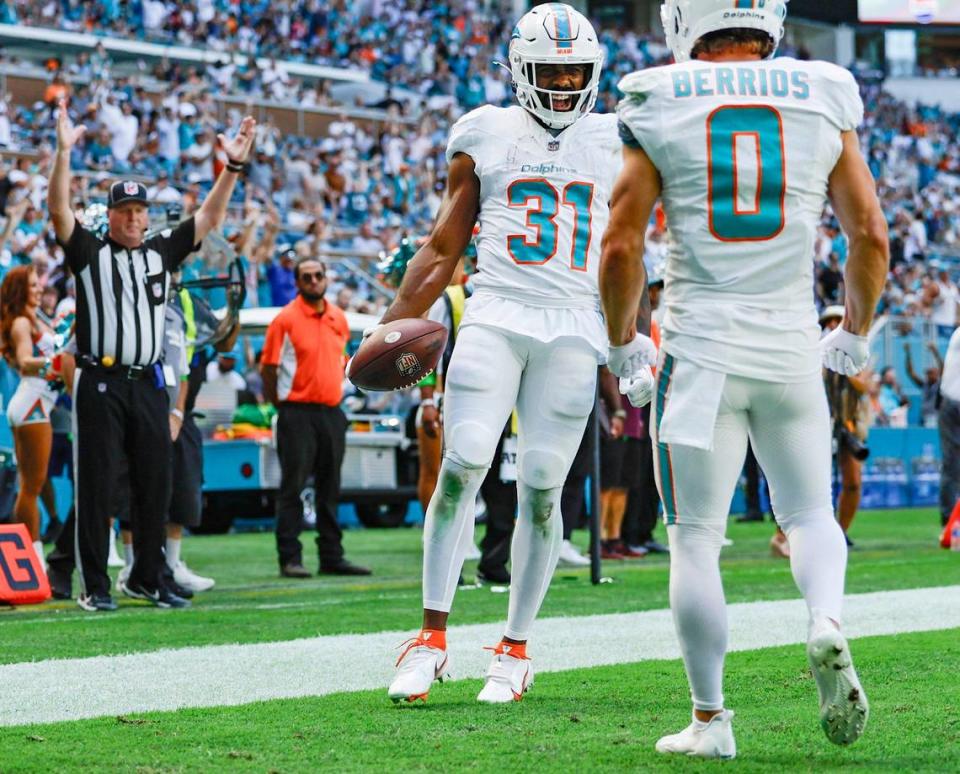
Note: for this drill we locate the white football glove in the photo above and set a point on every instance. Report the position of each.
(844, 352)
(629, 360)
(639, 389)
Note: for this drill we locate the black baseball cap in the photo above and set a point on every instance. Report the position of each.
(126, 191)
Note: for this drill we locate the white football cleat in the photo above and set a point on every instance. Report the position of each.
(843, 704)
(187, 578)
(713, 739)
(509, 677)
(570, 557)
(418, 666)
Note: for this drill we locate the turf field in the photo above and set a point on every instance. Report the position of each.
(603, 719)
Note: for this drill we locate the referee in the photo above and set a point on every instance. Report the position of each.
(120, 400)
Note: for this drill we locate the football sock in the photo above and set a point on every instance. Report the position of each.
(515, 649)
(173, 552)
(38, 548)
(534, 551)
(448, 529)
(128, 555)
(699, 609)
(434, 638)
(818, 559)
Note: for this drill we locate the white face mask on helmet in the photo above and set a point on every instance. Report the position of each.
(554, 34)
(686, 21)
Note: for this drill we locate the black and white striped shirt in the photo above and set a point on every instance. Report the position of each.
(122, 292)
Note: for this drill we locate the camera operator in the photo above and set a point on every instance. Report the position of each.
(850, 411)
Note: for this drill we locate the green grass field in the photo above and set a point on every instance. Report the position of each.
(601, 719)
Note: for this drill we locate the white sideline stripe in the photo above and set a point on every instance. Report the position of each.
(221, 675)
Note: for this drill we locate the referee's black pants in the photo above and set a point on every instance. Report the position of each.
(119, 419)
(311, 440)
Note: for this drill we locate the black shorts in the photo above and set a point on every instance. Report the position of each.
(186, 496)
(611, 463)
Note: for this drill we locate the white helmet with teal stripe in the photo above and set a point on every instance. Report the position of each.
(552, 34)
(686, 21)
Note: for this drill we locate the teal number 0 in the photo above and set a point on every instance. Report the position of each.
(766, 217)
(542, 202)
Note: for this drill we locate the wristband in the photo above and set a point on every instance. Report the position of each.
(235, 168)
(620, 414)
(177, 413)
(45, 368)
(428, 402)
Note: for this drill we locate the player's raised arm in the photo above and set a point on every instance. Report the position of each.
(623, 278)
(429, 271)
(853, 194)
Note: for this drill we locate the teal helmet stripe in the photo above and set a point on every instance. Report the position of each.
(563, 30)
(744, 4)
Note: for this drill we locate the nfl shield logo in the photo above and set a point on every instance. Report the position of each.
(157, 288)
(407, 364)
(131, 188)
(553, 145)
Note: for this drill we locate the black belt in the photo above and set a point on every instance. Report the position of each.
(94, 364)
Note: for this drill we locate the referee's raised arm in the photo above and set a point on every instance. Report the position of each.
(58, 192)
(212, 212)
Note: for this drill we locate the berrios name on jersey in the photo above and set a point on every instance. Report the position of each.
(745, 151)
(543, 202)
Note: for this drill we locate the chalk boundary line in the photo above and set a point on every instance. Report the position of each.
(228, 675)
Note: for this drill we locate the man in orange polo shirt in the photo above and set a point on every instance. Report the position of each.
(303, 367)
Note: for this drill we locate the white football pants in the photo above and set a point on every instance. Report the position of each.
(552, 386)
(788, 426)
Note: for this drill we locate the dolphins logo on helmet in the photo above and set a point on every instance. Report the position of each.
(550, 34)
(686, 21)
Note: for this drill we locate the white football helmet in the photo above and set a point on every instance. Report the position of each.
(686, 21)
(554, 33)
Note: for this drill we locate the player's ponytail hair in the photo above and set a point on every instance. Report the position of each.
(14, 294)
(716, 42)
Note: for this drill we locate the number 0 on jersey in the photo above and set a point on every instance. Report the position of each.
(747, 175)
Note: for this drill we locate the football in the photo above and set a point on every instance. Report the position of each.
(398, 355)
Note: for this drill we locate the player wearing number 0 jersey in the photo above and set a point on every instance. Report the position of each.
(538, 177)
(744, 151)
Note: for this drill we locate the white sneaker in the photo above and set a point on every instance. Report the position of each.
(703, 740)
(187, 578)
(113, 558)
(509, 677)
(571, 557)
(122, 577)
(843, 704)
(417, 668)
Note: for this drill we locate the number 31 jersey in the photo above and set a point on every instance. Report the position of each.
(544, 205)
(745, 151)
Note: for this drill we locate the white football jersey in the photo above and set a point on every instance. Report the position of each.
(544, 205)
(744, 151)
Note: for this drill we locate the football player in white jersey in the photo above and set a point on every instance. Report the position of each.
(744, 150)
(538, 178)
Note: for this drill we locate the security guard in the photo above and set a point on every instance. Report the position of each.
(120, 401)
